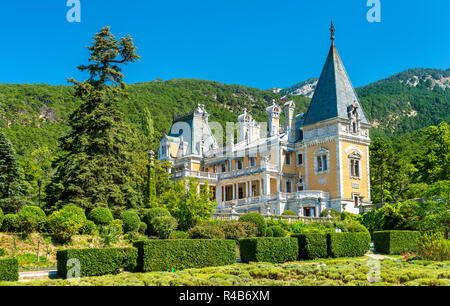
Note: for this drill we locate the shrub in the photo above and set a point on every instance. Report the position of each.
(165, 255)
(278, 231)
(433, 246)
(111, 233)
(347, 244)
(395, 242)
(11, 223)
(179, 235)
(143, 228)
(236, 230)
(152, 213)
(311, 245)
(258, 219)
(101, 216)
(289, 213)
(66, 222)
(131, 221)
(206, 231)
(269, 232)
(89, 228)
(32, 219)
(96, 262)
(355, 227)
(9, 269)
(267, 249)
(298, 226)
(333, 213)
(164, 226)
(2, 216)
(3, 252)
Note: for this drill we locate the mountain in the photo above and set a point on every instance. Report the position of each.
(35, 116)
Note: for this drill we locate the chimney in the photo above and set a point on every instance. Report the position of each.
(289, 114)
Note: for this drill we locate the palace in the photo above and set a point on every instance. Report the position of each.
(318, 160)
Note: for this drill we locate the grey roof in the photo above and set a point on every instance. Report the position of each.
(333, 94)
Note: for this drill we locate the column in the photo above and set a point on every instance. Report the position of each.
(234, 192)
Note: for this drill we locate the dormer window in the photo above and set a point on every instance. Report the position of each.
(353, 116)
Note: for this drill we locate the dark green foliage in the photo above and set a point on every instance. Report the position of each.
(2, 216)
(267, 249)
(89, 228)
(3, 252)
(9, 269)
(96, 262)
(179, 235)
(165, 255)
(101, 216)
(289, 213)
(269, 232)
(11, 223)
(13, 187)
(164, 226)
(311, 245)
(66, 222)
(142, 228)
(152, 213)
(278, 231)
(206, 231)
(131, 221)
(258, 219)
(236, 230)
(32, 219)
(395, 242)
(348, 244)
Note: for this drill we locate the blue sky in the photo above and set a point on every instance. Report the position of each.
(254, 43)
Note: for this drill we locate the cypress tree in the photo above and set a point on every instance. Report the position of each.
(13, 187)
(98, 166)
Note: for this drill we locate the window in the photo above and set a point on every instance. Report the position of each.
(322, 163)
(288, 186)
(300, 159)
(287, 159)
(252, 161)
(354, 161)
(239, 164)
(356, 199)
(223, 168)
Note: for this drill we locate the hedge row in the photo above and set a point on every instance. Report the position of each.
(163, 255)
(95, 262)
(395, 242)
(312, 245)
(9, 269)
(268, 249)
(348, 244)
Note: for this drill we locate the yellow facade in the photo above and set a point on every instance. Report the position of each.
(348, 182)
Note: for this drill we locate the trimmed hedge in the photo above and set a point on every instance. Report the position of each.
(311, 245)
(163, 255)
(9, 269)
(395, 242)
(348, 244)
(97, 261)
(268, 249)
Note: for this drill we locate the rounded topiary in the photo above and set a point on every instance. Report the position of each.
(142, 228)
(289, 213)
(164, 226)
(11, 223)
(278, 231)
(89, 228)
(131, 221)
(32, 218)
(101, 216)
(153, 213)
(179, 235)
(269, 232)
(258, 219)
(66, 222)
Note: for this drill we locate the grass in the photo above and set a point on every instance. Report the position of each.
(326, 272)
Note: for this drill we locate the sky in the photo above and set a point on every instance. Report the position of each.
(260, 44)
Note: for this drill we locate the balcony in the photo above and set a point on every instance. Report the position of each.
(196, 174)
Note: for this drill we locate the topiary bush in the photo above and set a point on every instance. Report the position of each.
(9, 269)
(101, 216)
(142, 228)
(95, 262)
(267, 249)
(66, 222)
(395, 242)
(179, 235)
(165, 255)
(289, 213)
(278, 231)
(269, 232)
(236, 230)
(164, 226)
(32, 219)
(311, 245)
(152, 213)
(131, 221)
(348, 244)
(206, 231)
(89, 228)
(258, 219)
(11, 223)
(2, 216)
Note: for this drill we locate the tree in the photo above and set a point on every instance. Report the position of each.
(98, 166)
(13, 187)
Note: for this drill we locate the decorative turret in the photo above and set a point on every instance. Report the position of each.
(289, 114)
(274, 119)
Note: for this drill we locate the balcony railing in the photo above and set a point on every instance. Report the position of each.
(196, 174)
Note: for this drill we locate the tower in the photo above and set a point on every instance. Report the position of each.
(289, 114)
(274, 119)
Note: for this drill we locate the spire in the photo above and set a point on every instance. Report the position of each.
(334, 92)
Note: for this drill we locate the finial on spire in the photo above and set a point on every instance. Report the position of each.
(332, 30)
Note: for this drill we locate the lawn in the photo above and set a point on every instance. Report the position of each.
(324, 272)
